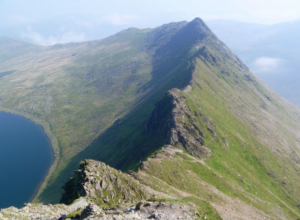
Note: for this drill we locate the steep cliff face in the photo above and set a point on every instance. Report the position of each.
(175, 124)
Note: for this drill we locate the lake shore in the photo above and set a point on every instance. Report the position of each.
(44, 127)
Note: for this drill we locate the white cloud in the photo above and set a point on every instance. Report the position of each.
(267, 64)
(51, 40)
(120, 19)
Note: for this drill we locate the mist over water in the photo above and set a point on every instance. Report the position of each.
(25, 158)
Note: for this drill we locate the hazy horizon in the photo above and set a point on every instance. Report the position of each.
(51, 22)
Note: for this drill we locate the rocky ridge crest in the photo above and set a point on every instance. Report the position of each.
(97, 191)
(175, 124)
(102, 184)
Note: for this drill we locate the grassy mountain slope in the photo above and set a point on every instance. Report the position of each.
(240, 166)
(255, 150)
(120, 100)
(77, 91)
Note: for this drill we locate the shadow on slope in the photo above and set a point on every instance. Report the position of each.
(127, 142)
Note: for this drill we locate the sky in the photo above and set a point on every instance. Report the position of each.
(60, 21)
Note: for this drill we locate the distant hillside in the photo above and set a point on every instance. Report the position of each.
(173, 104)
(270, 51)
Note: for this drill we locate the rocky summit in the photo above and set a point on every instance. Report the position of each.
(97, 191)
(102, 184)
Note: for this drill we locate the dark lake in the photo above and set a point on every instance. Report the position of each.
(25, 158)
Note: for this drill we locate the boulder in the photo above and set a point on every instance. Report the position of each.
(91, 210)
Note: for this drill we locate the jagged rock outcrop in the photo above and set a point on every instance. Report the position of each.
(91, 210)
(175, 124)
(100, 189)
(102, 184)
(148, 210)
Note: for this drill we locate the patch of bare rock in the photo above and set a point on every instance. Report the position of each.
(141, 210)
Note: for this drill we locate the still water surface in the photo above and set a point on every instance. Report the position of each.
(25, 158)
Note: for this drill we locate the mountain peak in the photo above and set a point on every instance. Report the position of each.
(199, 24)
(198, 20)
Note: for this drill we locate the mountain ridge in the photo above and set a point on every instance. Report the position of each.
(230, 130)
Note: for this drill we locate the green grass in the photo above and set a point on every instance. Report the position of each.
(240, 164)
(74, 215)
(245, 156)
(205, 209)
